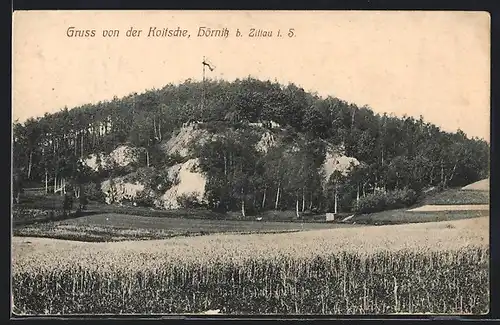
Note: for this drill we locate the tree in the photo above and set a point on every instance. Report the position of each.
(335, 182)
(274, 172)
(141, 135)
(82, 175)
(67, 204)
(82, 200)
(230, 164)
(33, 134)
(359, 178)
(17, 184)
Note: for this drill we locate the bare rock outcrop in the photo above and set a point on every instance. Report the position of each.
(117, 189)
(122, 156)
(188, 181)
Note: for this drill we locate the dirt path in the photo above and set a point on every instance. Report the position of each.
(463, 207)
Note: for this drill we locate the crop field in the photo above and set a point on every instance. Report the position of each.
(418, 268)
(116, 227)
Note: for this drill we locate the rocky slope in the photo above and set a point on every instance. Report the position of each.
(122, 156)
(188, 181)
(186, 178)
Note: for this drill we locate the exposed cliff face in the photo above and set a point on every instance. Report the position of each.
(180, 141)
(117, 190)
(268, 139)
(266, 142)
(186, 178)
(122, 156)
(335, 161)
(189, 181)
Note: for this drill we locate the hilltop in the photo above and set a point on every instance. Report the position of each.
(247, 146)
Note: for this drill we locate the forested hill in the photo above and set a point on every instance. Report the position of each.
(395, 152)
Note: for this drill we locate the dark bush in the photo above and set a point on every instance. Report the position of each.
(188, 201)
(93, 192)
(381, 201)
(145, 198)
(153, 179)
(174, 159)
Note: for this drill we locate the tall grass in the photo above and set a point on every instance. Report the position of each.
(452, 281)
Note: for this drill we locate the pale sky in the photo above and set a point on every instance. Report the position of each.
(435, 64)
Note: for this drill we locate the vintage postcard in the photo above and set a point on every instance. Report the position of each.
(250, 162)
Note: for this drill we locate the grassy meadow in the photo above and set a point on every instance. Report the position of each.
(458, 196)
(403, 216)
(117, 227)
(418, 268)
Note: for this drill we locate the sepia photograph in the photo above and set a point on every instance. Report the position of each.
(250, 163)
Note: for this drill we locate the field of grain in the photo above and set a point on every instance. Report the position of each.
(430, 267)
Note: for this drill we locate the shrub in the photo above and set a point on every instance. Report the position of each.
(93, 192)
(174, 159)
(385, 201)
(156, 180)
(145, 198)
(188, 201)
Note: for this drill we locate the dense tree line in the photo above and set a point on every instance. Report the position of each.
(395, 153)
(241, 177)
